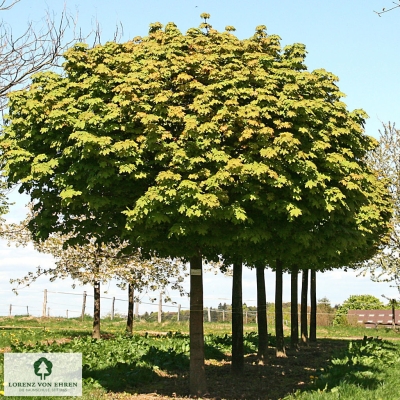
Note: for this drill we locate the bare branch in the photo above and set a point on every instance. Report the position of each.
(37, 48)
(33, 50)
(4, 6)
(385, 10)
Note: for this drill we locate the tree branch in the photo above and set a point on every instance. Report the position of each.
(37, 48)
(384, 10)
(5, 7)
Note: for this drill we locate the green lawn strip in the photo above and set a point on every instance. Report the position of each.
(120, 363)
(357, 331)
(123, 362)
(368, 369)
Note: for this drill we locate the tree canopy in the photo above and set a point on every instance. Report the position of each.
(179, 135)
(197, 144)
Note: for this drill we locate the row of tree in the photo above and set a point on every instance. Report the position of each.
(96, 264)
(200, 146)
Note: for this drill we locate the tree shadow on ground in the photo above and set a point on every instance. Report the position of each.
(165, 373)
(360, 364)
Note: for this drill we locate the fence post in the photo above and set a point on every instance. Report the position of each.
(245, 321)
(83, 305)
(10, 310)
(179, 313)
(160, 308)
(209, 314)
(112, 308)
(223, 315)
(44, 303)
(137, 310)
(48, 312)
(393, 314)
(67, 314)
(27, 311)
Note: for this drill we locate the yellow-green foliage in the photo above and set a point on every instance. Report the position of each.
(198, 140)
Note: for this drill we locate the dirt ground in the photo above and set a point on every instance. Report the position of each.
(273, 381)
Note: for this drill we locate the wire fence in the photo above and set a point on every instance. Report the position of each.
(60, 304)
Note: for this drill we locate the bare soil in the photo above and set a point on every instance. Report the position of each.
(273, 381)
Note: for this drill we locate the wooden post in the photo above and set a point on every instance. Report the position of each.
(137, 310)
(44, 303)
(27, 311)
(245, 320)
(67, 314)
(48, 312)
(223, 315)
(179, 313)
(10, 310)
(83, 305)
(209, 314)
(393, 314)
(160, 309)
(112, 308)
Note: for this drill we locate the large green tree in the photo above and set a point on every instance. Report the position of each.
(196, 145)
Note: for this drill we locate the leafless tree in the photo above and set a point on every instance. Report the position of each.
(35, 49)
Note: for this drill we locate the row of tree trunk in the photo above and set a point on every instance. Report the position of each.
(237, 313)
(197, 372)
(96, 310)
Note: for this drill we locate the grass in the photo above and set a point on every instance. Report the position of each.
(154, 363)
(368, 369)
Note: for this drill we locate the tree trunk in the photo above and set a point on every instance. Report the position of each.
(129, 322)
(96, 311)
(198, 384)
(303, 309)
(280, 343)
(313, 315)
(237, 319)
(294, 309)
(261, 315)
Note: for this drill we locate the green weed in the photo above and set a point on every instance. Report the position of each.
(368, 369)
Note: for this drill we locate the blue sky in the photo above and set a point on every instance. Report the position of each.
(343, 37)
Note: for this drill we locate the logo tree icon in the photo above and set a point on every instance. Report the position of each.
(43, 367)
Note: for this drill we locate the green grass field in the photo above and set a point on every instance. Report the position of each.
(154, 361)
